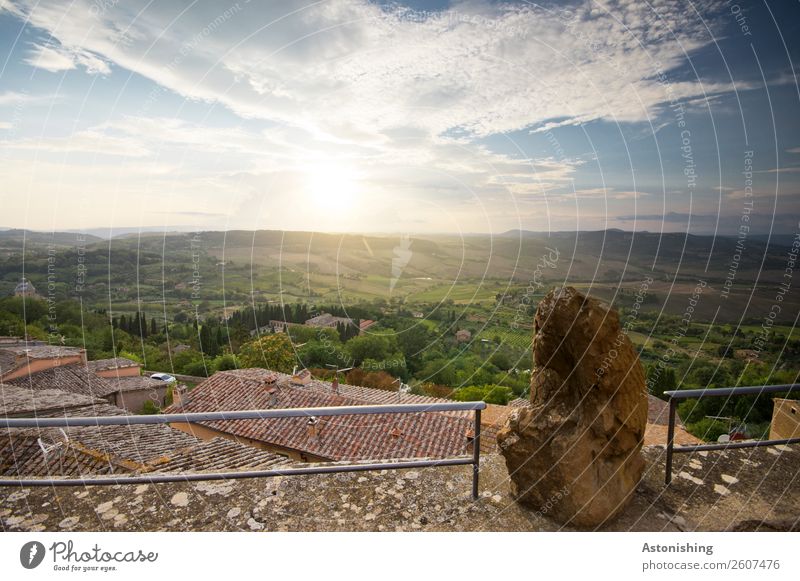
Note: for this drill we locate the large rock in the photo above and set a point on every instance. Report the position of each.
(574, 454)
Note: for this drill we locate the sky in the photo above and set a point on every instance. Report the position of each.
(415, 117)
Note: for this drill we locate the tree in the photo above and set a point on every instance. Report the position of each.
(439, 371)
(273, 352)
(501, 361)
(660, 379)
(368, 347)
(497, 394)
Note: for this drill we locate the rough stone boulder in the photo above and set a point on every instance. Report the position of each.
(574, 453)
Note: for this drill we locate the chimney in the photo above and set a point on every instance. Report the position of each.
(178, 394)
(311, 426)
(273, 397)
(335, 384)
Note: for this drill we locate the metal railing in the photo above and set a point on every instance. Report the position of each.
(676, 395)
(64, 422)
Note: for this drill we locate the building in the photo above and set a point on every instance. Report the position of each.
(462, 336)
(119, 449)
(131, 393)
(335, 438)
(25, 289)
(785, 419)
(116, 381)
(9, 341)
(116, 367)
(364, 325)
(22, 360)
(328, 320)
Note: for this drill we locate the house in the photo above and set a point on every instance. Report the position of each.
(131, 393)
(6, 340)
(115, 381)
(21, 360)
(785, 419)
(462, 336)
(116, 367)
(180, 348)
(117, 449)
(327, 320)
(364, 325)
(25, 289)
(335, 438)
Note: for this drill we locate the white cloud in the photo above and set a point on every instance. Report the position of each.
(401, 97)
(56, 59)
(91, 141)
(345, 68)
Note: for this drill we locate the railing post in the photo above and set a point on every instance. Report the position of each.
(670, 440)
(476, 454)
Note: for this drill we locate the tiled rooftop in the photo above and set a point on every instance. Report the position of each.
(658, 411)
(95, 450)
(42, 351)
(73, 378)
(15, 356)
(136, 383)
(221, 454)
(109, 364)
(437, 434)
(23, 401)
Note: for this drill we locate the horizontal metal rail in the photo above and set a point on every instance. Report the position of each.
(252, 415)
(676, 395)
(152, 478)
(240, 415)
(726, 391)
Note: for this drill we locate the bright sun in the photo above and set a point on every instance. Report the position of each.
(333, 188)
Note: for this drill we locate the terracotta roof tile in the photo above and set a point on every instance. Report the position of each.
(73, 378)
(24, 401)
(108, 364)
(436, 434)
(96, 450)
(221, 454)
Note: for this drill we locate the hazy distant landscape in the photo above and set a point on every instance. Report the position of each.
(240, 268)
(140, 295)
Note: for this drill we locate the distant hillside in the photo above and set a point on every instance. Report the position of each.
(239, 266)
(13, 236)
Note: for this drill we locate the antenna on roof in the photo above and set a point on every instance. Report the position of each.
(399, 383)
(57, 446)
(335, 382)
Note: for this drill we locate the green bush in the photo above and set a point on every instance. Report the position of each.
(150, 408)
(497, 394)
(708, 429)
